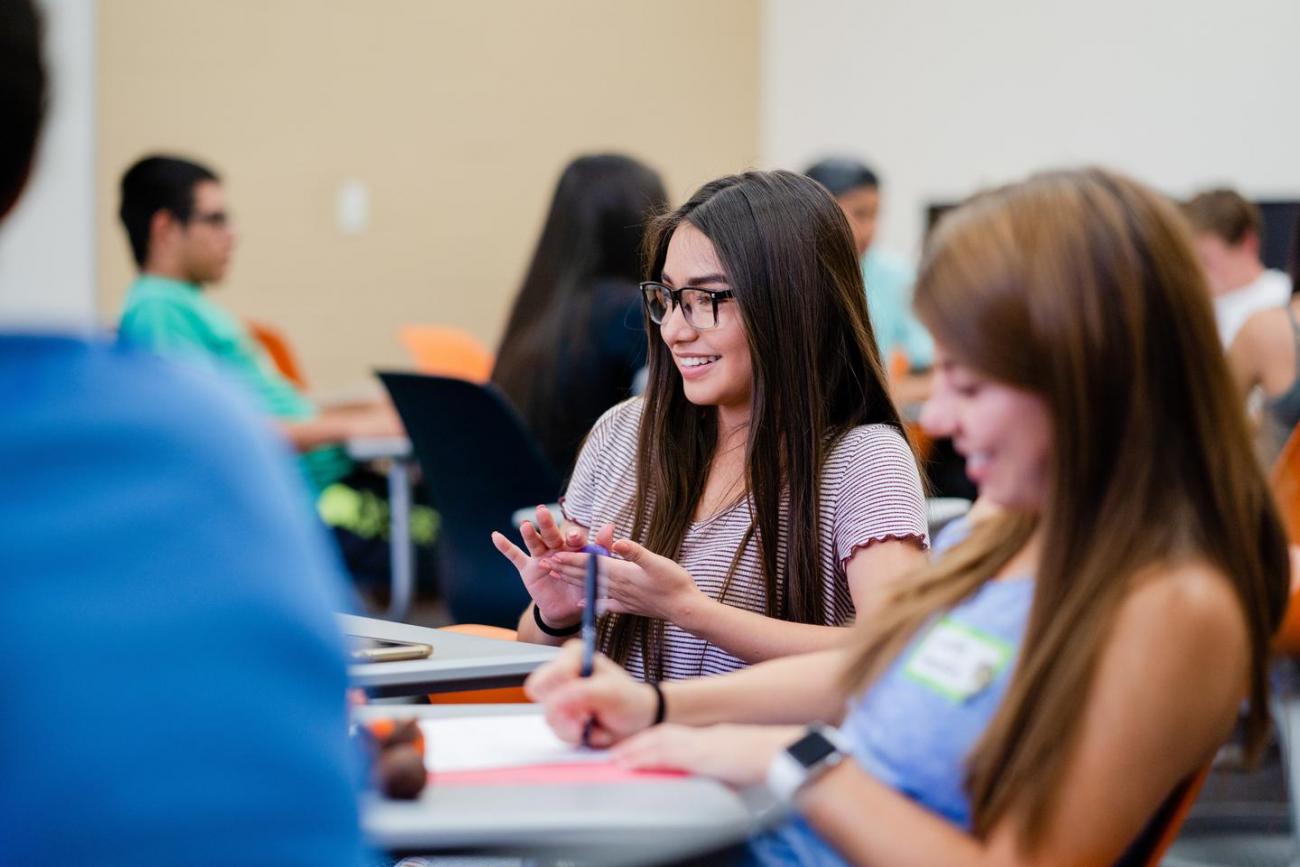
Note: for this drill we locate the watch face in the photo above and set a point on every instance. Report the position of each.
(811, 749)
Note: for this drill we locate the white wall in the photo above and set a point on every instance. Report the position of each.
(47, 246)
(945, 96)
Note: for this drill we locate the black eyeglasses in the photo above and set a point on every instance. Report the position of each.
(699, 306)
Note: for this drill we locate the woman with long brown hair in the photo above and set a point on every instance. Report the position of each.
(762, 490)
(1035, 694)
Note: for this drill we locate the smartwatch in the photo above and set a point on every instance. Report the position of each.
(816, 752)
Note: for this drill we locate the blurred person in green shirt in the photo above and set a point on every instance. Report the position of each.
(182, 237)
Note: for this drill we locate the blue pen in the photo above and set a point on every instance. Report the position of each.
(589, 622)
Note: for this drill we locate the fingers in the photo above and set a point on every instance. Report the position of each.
(659, 748)
(565, 667)
(551, 536)
(571, 568)
(567, 727)
(575, 539)
(533, 539)
(605, 537)
(511, 551)
(629, 550)
(602, 699)
(601, 738)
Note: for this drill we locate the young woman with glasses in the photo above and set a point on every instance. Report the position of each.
(762, 491)
(1034, 695)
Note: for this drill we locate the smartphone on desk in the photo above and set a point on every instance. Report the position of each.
(364, 649)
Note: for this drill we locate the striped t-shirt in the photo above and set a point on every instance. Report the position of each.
(870, 491)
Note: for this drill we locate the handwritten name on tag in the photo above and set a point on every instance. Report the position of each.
(957, 661)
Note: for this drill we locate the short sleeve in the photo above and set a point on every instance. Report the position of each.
(579, 499)
(877, 491)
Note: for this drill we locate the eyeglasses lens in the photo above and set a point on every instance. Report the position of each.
(697, 306)
(657, 302)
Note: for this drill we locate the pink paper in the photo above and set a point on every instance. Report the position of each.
(549, 775)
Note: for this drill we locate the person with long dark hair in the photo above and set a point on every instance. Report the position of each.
(575, 340)
(1035, 694)
(762, 491)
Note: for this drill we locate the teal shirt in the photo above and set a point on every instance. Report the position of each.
(175, 318)
(889, 301)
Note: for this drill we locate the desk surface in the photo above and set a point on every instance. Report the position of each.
(605, 823)
(458, 661)
(375, 448)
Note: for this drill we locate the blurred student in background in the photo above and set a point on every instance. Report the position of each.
(905, 346)
(761, 490)
(888, 278)
(1228, 231)
(182, 237)
(173, 676)
(576, 340)
(1265, 354)
(1034, 695)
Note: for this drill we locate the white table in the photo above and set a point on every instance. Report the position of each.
(397, 451)
(596, 823)
(458, 662)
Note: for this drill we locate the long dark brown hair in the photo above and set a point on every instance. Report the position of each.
(593, 231)
(788, 255)
(1082, 287)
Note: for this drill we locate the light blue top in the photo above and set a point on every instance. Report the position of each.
(173, 677)
(913, 735)
(889, 302)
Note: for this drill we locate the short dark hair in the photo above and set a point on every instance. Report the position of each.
(841, 175)
(158, 183)
(1225, 213)
(23, 92)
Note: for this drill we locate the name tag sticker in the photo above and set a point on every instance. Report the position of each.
(957, 661)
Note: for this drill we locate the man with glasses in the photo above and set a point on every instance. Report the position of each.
(182, 238)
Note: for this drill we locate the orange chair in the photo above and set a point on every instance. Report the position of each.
(277, 346)
(443, 351)
(500, 695)
(1285, 481)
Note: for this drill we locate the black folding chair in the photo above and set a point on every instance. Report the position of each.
(480, 464)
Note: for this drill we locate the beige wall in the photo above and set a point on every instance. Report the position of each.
(458, 115)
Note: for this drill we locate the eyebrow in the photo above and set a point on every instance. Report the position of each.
(702, 279)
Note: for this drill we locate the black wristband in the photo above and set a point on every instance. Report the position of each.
(551, 630)
(660, 710)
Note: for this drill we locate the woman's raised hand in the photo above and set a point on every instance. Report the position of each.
(560, 603)
(616, 705)
(635, 581)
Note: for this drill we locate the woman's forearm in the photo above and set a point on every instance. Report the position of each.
(793, 690)
(754, 637)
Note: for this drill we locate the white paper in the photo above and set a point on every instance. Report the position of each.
(475, 743)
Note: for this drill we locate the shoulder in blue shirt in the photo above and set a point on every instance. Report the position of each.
(173, 678)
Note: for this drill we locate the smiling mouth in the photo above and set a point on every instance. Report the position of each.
(698, 361)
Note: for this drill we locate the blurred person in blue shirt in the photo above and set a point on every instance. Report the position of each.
(888, 277)
(173, 677)
(906, 349)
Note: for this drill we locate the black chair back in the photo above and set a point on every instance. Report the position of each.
(479, 464)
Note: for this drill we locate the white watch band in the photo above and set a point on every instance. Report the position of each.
(786, 775)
